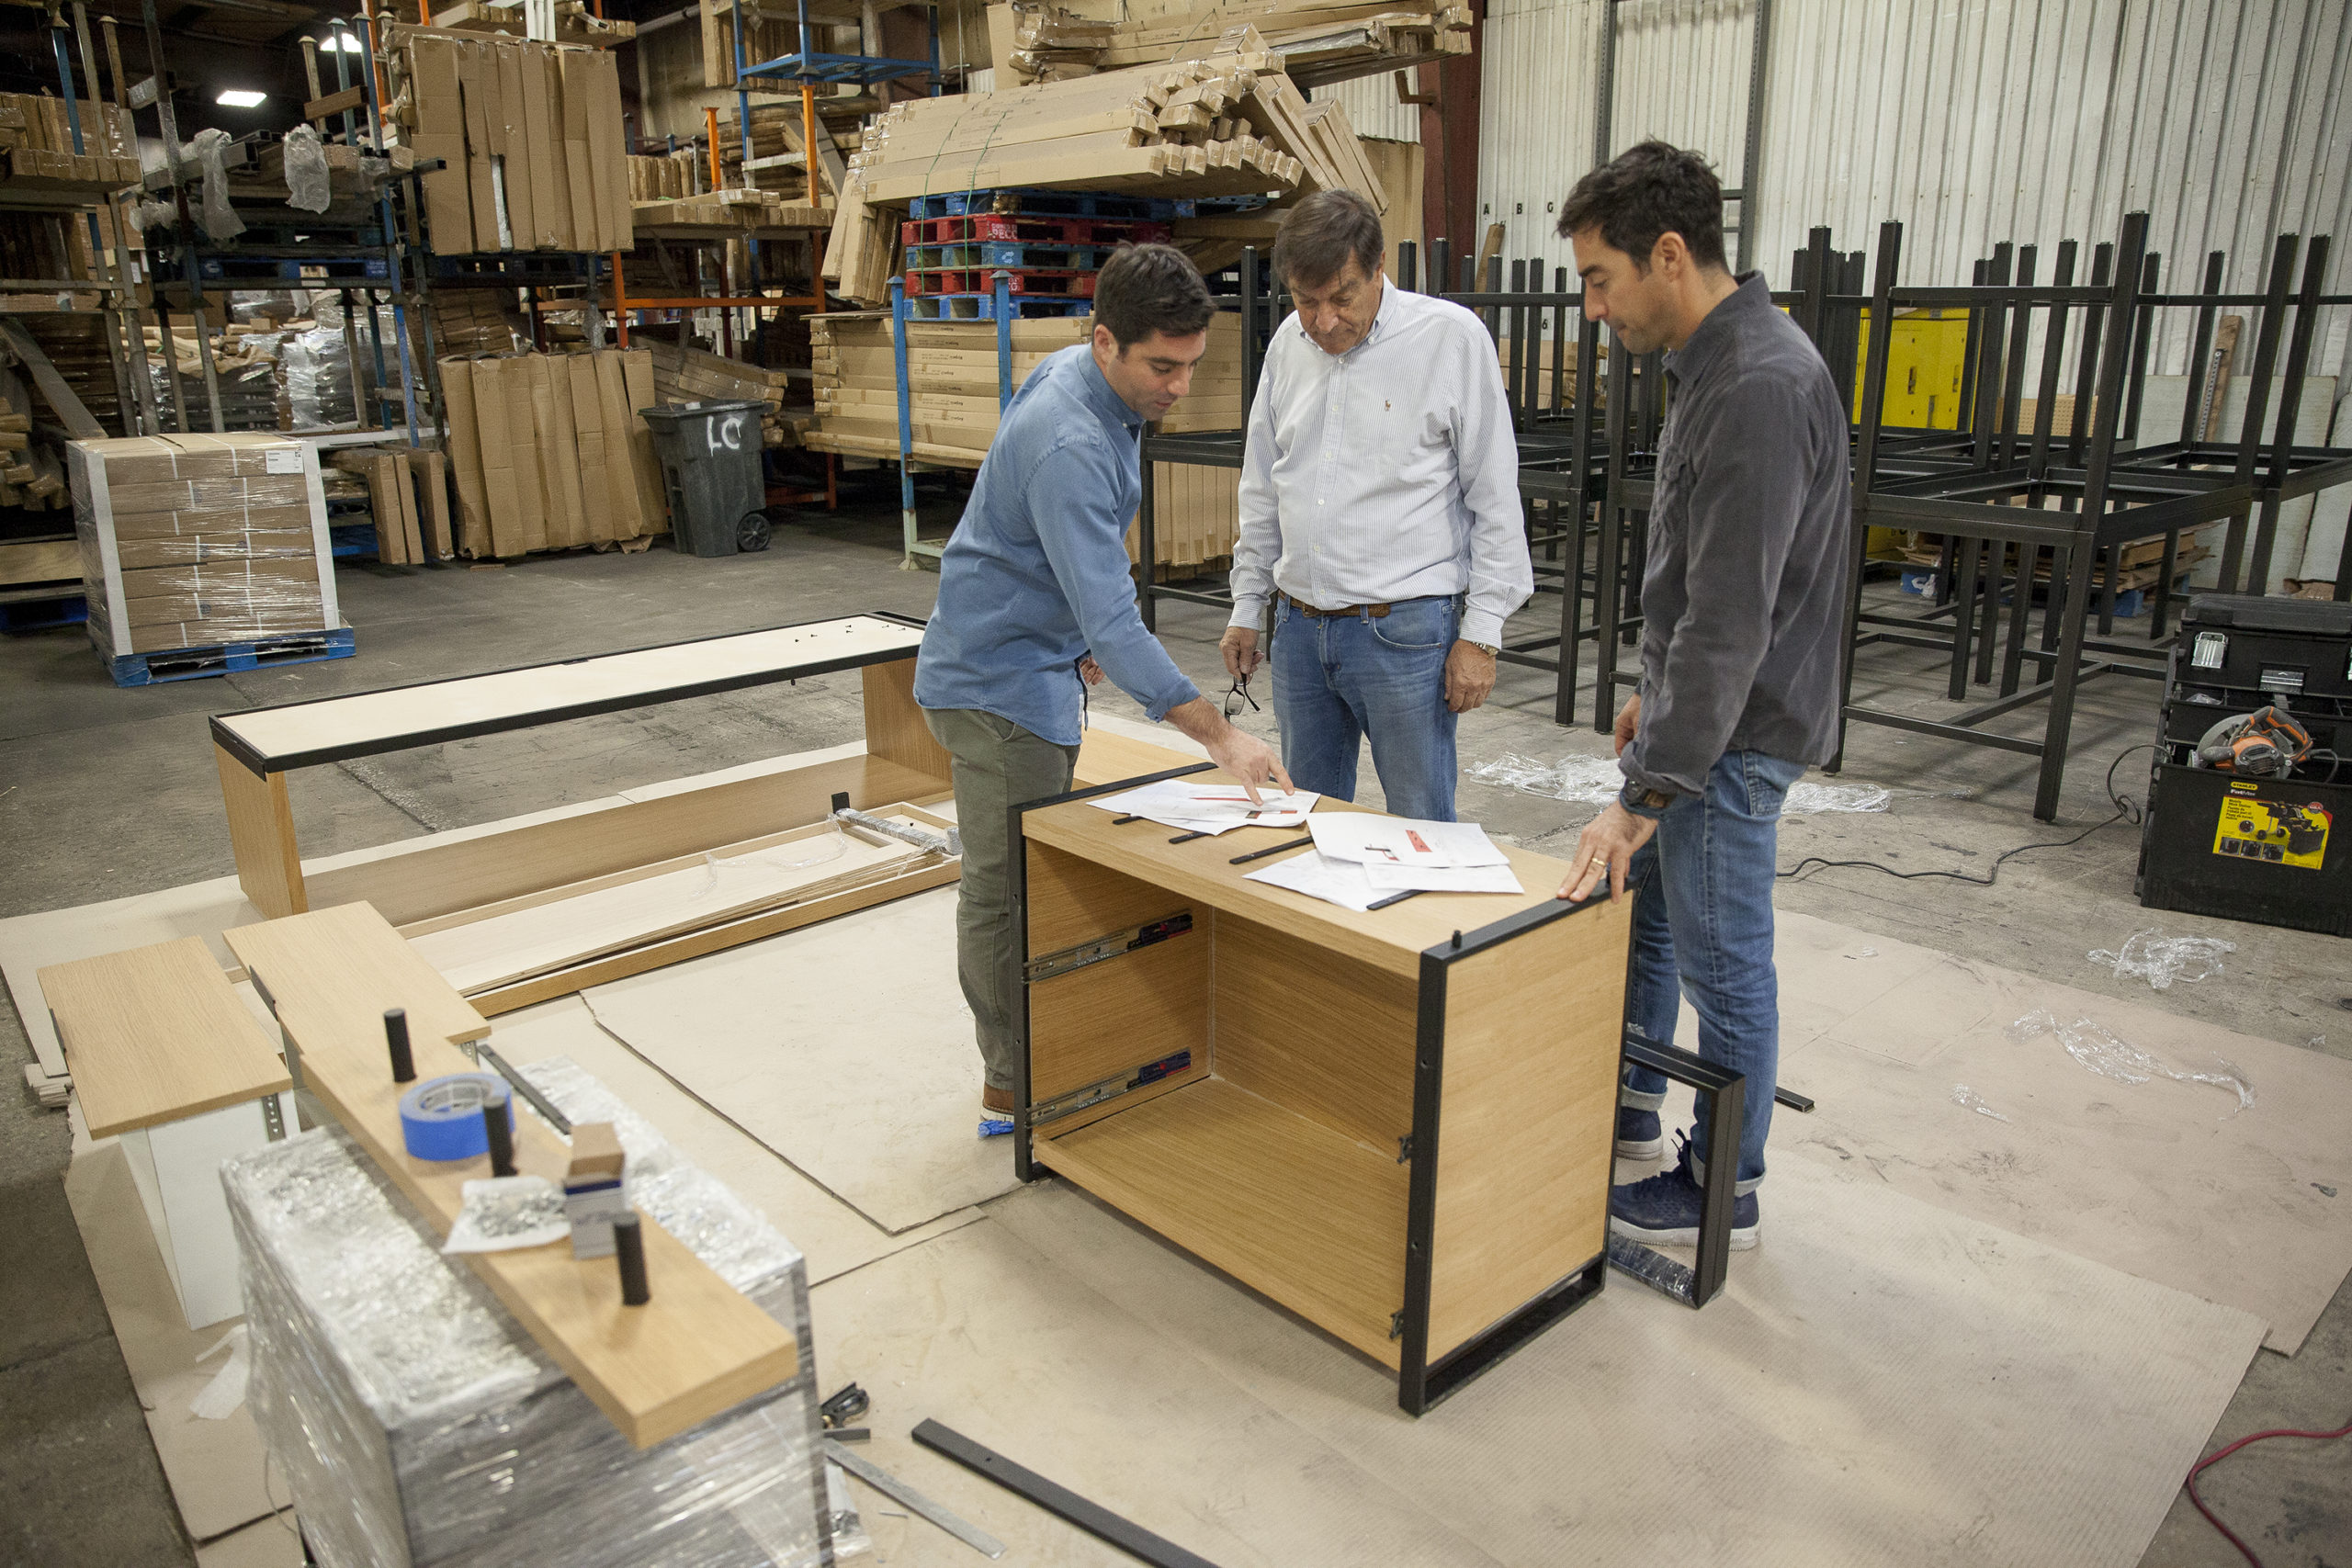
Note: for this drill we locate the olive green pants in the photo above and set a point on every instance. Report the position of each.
(998, 766)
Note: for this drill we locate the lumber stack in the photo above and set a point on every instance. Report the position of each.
(531, 136)
(689, 376)
(30, 477)
(1319, 41)
(743, 209)
(37, 152)
(548, 453)
(665, 178)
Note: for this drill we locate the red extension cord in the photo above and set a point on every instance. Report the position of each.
(2202, 1465)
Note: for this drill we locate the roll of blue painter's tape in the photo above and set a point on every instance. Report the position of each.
(441, 1118)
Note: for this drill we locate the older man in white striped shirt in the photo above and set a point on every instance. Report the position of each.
(1380, 517)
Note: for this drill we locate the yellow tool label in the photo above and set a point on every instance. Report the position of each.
(2278, 832)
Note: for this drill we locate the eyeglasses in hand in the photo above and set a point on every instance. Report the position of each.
(1241, 690)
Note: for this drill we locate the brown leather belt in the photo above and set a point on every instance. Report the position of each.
(1369, 611)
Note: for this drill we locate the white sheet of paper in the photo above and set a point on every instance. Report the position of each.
(1403, 840)
(1210, 807)
(1340, 882)
(1444, 878)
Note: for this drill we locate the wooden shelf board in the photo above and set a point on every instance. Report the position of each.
(330, 974)
(154, 1034)
(1290, 1208)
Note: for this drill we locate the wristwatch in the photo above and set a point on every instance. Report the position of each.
(1488, 648)
(1642, 801)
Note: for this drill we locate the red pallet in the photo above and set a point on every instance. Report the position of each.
(1032, 230)
(982, 280)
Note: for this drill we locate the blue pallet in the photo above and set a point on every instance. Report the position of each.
(43, 614)
(229, 658)
(352, 538)
(1006, 254)
(982, 307)
(1053, 204)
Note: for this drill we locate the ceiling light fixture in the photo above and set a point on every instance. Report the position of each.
(242, 98)
(341, 43)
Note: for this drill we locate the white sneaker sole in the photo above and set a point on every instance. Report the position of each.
(1741, 1240)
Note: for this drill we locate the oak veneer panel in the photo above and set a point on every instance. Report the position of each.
(375, 721)
(894, 725)
(1105, 758)
(700, 1346)
(1072, 900)
(1328, 1038)
(1287, 1206)
(469, 872)
(154, 1034)
(1528, 1113)
(1113, 1017)
(1200, 873)
(330, 974)
(261, 834)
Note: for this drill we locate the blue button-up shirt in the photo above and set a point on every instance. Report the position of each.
(1036, 576)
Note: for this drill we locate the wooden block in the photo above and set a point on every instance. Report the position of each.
(154, 1034)
(595, 1151)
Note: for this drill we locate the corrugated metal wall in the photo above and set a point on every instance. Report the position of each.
(1373, 109)
(1971, 121)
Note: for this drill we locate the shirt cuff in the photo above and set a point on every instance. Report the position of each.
(1634, 798)
(1482, 626)
(1249, 610)
(1175, 697)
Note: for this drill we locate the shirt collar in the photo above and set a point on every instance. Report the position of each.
(1690, 362)
(1105, 402)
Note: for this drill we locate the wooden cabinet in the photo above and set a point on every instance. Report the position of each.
(1397, 1124)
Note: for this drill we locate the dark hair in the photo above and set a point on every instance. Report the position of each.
(1655, 188)
(1144, 289)
(1322, 232)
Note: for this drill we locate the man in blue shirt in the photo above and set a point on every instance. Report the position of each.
(1035, 583)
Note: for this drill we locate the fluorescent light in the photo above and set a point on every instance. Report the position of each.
(242, 98)
(341, 43)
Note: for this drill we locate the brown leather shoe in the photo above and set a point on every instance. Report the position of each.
(997, 1102)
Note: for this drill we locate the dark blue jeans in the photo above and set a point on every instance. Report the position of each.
(1703, 927)
(1338, 679)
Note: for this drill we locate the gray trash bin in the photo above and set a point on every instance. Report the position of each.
(711, 474)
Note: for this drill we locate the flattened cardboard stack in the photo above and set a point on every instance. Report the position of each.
(549, 452)
(688, 375)
(195, 541)
(532, 136)
(951, 381)
(1320, 41)
(37, 146)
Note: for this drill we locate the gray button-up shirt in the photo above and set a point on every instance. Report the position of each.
(1748, 532)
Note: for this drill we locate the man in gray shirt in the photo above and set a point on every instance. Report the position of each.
(1740, 647)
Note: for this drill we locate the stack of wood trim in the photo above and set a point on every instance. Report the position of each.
(861, 252)
(667, 177)
(689, 374)
(37, 147)
(1320, 41)
(743, 209)
(549, 452)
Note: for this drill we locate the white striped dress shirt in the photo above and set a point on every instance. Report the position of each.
(1385, 473)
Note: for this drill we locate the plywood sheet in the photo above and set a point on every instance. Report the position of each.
(1881, 1382)
(845, 1047)
(372, 718)
(153, 1034)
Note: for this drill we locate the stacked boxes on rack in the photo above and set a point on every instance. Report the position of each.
(36, 140)
(197, 541)
(549, 452)
(531, 134)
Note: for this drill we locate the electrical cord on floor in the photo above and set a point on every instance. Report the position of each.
(2202, 1465)
(2126, 809)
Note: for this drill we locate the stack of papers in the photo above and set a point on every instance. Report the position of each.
(1401, 852)
(1340, 882)
(1210, 807)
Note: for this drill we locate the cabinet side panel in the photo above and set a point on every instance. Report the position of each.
(894, 725)
(1317, 1033)
(1109, 1017)
(1528, 1118)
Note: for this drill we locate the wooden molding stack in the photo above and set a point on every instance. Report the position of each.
(1319, 41)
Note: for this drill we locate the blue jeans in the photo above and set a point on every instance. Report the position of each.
(1703, 927)
(1338, 679)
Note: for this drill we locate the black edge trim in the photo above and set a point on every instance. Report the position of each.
(1467, 1361)
(1060, 1501)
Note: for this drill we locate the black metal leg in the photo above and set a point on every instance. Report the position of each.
(2020, 607)
(1995, 554)
(2110, 568)
(2162, 602)
(1964, 619)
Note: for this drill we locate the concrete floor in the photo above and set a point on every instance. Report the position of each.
(107, 793)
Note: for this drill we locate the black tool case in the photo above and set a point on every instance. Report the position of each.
(2276, 851)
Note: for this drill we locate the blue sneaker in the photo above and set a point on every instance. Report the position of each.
(1662, 1210)
(1638, 1135)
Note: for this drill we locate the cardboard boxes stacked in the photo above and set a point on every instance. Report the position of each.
(37, 145)
(691, 375)
(197, 541)
(549, 452)
(951, 381)
(531, 133)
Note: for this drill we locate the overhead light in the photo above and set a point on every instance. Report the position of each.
(341, 43)
(242, 98)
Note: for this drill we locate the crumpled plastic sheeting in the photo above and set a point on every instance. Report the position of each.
(1961, 1095)
(146, 215)
(309, 186)
(210, 150)
(1596, 781)
(2102, 1051)
(2161, 958)
(420, 1425)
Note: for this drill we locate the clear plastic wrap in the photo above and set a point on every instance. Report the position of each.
(420, 1425)
(316, 367)
(2100, 1050)
(309, 186)
(1596, 781)
(210, 151)
(2160, 959)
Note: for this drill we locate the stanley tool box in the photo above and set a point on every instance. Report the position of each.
(2238, 825)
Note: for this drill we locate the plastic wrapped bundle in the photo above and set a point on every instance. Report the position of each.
(421, 1425)
(317, 369)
